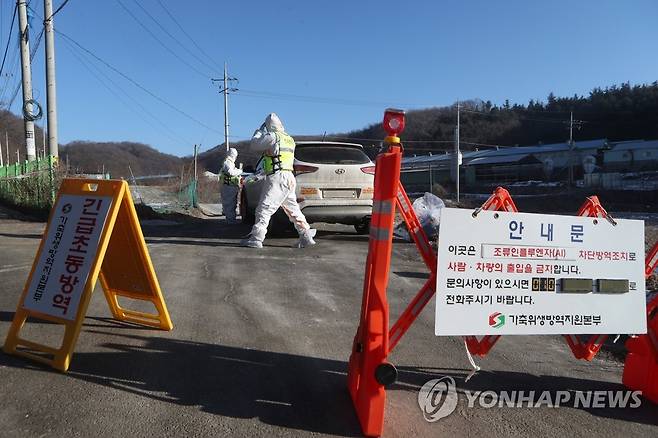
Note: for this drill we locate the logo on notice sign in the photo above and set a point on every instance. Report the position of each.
(67, 208)
(496, 320)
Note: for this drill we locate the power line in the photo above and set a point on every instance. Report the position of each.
(32, 55)
(518, 117)
(155, 37)
(11, 30)
(186, 34)
(318, 99)
(136, 84)
(88, 66)
(11, 74)
(57, 10)
(171, 36)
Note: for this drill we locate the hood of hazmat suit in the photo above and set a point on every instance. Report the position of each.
(273, 123)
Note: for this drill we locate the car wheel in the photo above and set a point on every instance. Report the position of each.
(248, 216)
(363, 227)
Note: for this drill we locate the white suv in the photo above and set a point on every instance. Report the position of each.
(335, 184)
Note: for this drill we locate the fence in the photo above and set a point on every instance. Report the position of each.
(30, 184)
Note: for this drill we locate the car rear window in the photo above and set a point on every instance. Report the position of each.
(331, 155)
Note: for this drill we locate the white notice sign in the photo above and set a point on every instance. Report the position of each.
(505, 273)
(68, 251)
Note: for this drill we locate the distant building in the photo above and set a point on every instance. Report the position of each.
(632, 156)
(540, 162)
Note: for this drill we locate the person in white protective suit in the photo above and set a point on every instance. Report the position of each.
(229, 177)
(278, 149)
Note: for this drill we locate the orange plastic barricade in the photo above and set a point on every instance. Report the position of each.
(92, 231)
(651, 261)
(641, 364)
(501, 200)
(367, 365)
(369, 371)
(588, 350)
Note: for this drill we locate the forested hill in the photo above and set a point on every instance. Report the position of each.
(617, 113)
(116, 157)
(91, 156)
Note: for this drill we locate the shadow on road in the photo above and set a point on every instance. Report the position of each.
(498, 381)
(22, 235)
(409, 274)
(198, 228)
(90, 321)
(283, 390)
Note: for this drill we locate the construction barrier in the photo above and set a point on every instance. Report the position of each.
(641, 364)
(501, 200)
(369, 370)
(93, 232)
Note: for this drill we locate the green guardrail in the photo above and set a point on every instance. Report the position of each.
(30, 184)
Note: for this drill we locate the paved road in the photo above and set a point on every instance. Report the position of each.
(259, 348)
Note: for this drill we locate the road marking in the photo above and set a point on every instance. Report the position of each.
(14, 268)
(273, 402)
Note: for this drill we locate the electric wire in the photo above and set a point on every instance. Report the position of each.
(57, 10)
(137, 84)
(480, 113)
(97, 73)
(318, 99)
(155, 37)
(173, 18)
(148, 14)
(9, 77)
(33, 53)
(11, 30)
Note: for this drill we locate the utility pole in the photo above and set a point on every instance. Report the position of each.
(7, 146)
(196, 152)
(226, 89)
(578, 124)
(457, 154)
(23, 31)
(51, 93)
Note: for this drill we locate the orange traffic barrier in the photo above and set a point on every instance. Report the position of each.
(369, 372)
(370, 348)
(501, 200)
(651, 261)
(641, 364)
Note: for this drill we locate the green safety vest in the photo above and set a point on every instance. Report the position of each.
(229, 180)
(286, 157)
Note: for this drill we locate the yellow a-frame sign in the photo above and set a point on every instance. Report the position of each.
(93, 231)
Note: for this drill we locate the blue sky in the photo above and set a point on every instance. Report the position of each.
(322, 66)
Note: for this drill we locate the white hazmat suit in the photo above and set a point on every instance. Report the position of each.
(278, 188)
(229, 178)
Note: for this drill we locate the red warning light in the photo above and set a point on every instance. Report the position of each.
(393, 121)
